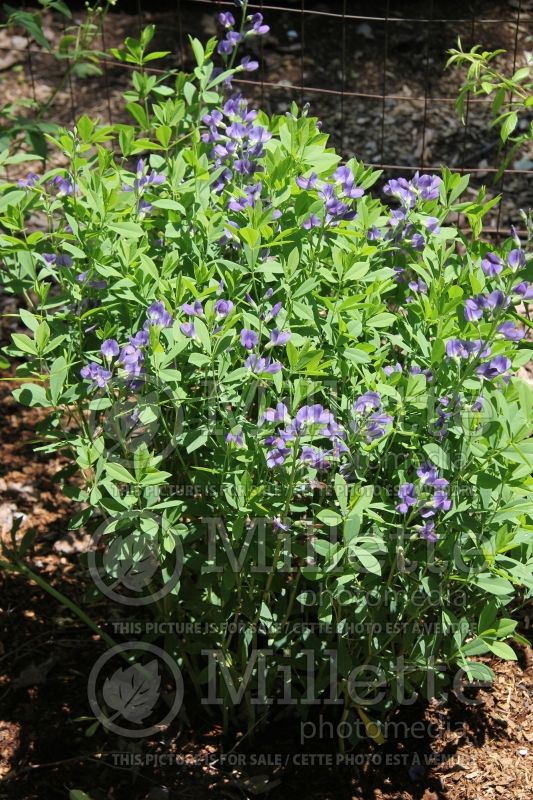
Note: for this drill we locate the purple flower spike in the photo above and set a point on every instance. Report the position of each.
(248, 338)
(110, 348)
(491, 265)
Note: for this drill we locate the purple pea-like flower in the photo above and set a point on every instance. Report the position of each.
(223, 307)
(427, 473)
(278, 414)
(524, 290)
(248, 65)
(276, 308)
(64, 260)
(258, 28)
(373, 234)
(441, 501)
(96, 374)
(516, 259)
(110, 348)
(428, 186)
(478, 404)
(278, 525)
(140, 339)
(50, 258)
(313, 221)
(417, 241)
(315, 458)
(259, 365)
(132, 359)
(226, 19)
(193, 309)
(29, 181)
(187, 328)
(492, 265)
(248, 338)
(495, 368)
(307, 183)
(432, 224)
(158, 315)
(390, 369)
(235, 438)
(496, 299)
(376, 426)
(65, 186)
(278, 454)
(367, 402)
(427, 531)
(511, 332)
(279, 338)
(407, 497)
(473, 310)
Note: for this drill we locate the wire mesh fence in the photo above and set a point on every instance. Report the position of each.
(374, 72)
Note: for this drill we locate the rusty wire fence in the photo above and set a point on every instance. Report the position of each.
(373, 71)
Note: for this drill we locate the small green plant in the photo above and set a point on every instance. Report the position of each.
(25, 122)
(512, 96)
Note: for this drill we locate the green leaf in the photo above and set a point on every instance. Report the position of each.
(30, 22)
(493, 584)
(119, 473)
(509, 125)
(130, 230)
(58, 375)
(502, 650)
(329, 517)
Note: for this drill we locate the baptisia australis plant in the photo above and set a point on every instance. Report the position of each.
(307, 391)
